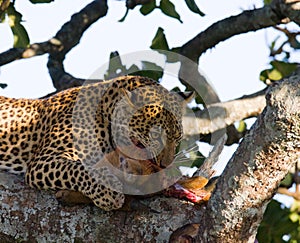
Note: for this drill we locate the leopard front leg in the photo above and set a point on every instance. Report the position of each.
(65, 174)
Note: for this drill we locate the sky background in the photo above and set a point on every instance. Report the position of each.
(232, 67)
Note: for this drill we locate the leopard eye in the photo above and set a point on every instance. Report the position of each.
(156, 133)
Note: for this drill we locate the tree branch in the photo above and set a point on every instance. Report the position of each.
(254, 173)
(279, 11)
(68, 37)
(251, 20)
(58, 46)
(36, 216)
(285, 191)
(220, 115)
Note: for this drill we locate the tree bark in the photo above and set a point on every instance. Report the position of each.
(252, 176)
(36, 216)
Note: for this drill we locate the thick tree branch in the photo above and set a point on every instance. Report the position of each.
(36, 216)
(270, 15)
(279, 11)
(220, 115)
(254, 173)
(36, 49)
(68, 37)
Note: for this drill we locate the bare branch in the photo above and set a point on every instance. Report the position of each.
(288, 8)
(68, 37)
(36, 49)
(285, 191)
(220, 115)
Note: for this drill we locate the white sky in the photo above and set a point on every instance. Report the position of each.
(233, 66)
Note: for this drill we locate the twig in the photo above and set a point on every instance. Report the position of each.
(285, 191)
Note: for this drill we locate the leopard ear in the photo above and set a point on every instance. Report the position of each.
(187, 96)
(128, 97)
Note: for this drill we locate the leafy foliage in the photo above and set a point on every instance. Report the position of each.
(21, 38)
(160, 44)
(288, 181)
(117, 68)
(148, 8)
(278, 71)
(3, 86)
(242, 126)
(193, 7)
(159, 41)
(277, 223)
(168, 8)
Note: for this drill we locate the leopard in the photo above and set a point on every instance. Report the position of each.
(61, 142)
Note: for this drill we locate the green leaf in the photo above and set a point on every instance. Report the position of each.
(193, 7)
(176, 89)
(288, 181)
(242, 126)
(284, 68)
(160, 44)
(276, 223)
(168, 9)
(115, 66)
(41, 1)
(133, 69)
(159, 41)
(3, 86)
(150, 70)
(199, 99)
(21, 38)
(278, 71)
(148, 8)
(266, 2)
(197, 158)
(124, 17)
(263, 76)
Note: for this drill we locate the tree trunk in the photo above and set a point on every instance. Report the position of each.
(253, 174)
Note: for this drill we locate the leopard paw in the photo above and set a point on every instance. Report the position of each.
(69, 198)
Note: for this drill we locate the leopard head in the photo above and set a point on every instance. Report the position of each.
(147, 123)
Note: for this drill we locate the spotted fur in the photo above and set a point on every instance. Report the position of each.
(57, 141)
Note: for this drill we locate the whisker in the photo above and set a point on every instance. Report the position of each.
(194, 148)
